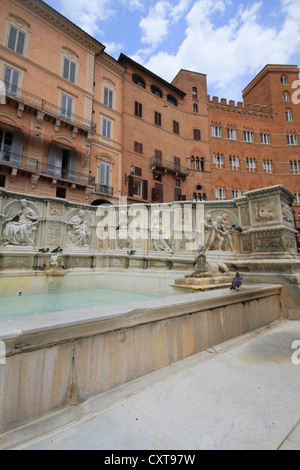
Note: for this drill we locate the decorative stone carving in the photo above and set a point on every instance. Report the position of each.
(205, 269)
(218, 233)
(122, 230)
(287, 213)
(78, 230)
(19, 228)
(265, 212)
(159, 235)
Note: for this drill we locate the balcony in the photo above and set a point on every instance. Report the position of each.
(33, 166)
(168, 167)
(26, 99)
(104, 189)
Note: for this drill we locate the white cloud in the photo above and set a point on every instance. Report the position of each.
(87, 14)
(230, 51)
(155, 25)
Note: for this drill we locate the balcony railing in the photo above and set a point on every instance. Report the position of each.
(34, 166)
(169, 167)
(36, 102)
(104, 189)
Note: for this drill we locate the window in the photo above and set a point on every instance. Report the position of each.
(218, 160)
(62, 163)
(286, 97)
(176, 127)
(268, 166)
(288, 116)
(197, 163)
(106, 128)
(158, 193)
(157, 118)
(156, 91)
(171, 100)
(69, 70)
(194, 92)
(251, 164)
(16, 40)
(234, 162)
(2, 181)
(11, 147)
(265, 139)
(197, 134)
(177, 194)
(66, 105)
(231, 134)
(104, 176)
(61, 192)
(297, 198)
(108, 97)
(157, 177)
(195, 108)
(295, 166)
(291, 139)
(236, 193)
(177, 182)
(177, 163)
(220, 193)
(158, 155)
(137, 187)
(248, 136)
(216, 131)
(284, 80)
(138, 109)
(138, 81)
(138, 147)
(11, 79)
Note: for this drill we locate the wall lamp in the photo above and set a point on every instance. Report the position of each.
(132, 170)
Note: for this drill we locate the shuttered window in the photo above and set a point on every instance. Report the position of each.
(66, 107)
(138, 109)
(16, 40)
(104, 174)
(108, 97)
(69, 70)
(11, 80)
(106, 128)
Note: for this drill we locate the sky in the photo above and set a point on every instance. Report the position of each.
(228, 40)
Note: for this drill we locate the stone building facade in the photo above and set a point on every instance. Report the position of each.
(79, 125)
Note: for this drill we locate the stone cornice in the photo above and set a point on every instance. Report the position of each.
(111, 64)
(52, 17)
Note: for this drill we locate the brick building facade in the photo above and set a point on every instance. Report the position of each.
(80, 125)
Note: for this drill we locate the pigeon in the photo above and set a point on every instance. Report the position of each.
(130, 252)
(44, 250)
(57, 250)
(237, 281)
(237, 228)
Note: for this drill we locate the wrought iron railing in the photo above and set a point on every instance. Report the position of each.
(172, 167)
(34, 166)
(46, 107)
(104, 189)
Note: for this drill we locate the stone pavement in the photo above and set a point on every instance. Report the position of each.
(243, 394)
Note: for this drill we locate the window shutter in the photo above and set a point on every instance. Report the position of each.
(17, 148)
(104, 174)
(7, 76)
(177, 163)
(20, 43)
(66, 68)
(145, 189)
(12, 38)
(54, 161)
(72, 72)
(72, 165)
(130, 186)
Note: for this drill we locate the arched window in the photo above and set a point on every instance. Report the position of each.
(156, 91)
(284, 80)
(138, 81)
(194, 92)
(172, 100)
(195, 108)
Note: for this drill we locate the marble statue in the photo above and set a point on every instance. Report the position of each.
(20, 229)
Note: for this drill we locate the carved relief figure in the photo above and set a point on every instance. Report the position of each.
(123, 235)
(217, 234)
(78, 230)
(20, 229)
(287, 213)
(159, 236)
(265, 212)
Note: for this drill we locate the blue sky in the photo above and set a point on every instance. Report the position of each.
(229, 40)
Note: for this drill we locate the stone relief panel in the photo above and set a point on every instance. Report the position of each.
(78, 230)
(287, 213)
(20, 222)
(219, 231)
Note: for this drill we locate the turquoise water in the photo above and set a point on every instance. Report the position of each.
(47, 302)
